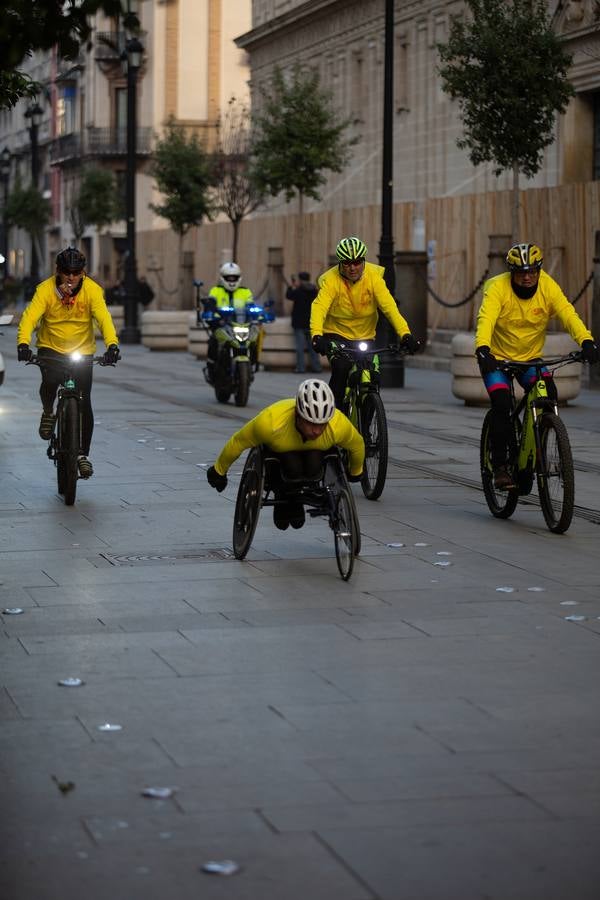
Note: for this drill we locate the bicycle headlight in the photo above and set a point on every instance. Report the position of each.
(362, 346)
(241, 332)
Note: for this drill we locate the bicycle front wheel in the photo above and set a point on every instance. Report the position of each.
(373, 427)
(68, 451)
(555, 475)
(345, 541)
(501, 504)
(248, 503)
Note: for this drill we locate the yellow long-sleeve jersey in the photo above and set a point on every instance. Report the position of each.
(351, 310)
(516, 329)
(67, 329)
(275, 427)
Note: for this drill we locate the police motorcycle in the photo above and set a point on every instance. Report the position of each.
(237, 331)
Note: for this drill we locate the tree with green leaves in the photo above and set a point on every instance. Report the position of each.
(236, 192)
(183, 174)
(508, 71)
(28, 209)
(299, 137)
(27, 26)
(95, 203)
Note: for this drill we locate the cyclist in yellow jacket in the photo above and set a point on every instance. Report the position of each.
(347, 308)
(63, 311)
(512, 321)
(299, 430)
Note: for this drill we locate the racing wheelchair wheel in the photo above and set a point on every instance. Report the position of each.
(344, 533)
(248, 503)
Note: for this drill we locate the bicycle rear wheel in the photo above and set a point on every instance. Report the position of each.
(556, 477)
(248, 503)
(68, 450)
(373, 427)
(344, 533)
(501, 504)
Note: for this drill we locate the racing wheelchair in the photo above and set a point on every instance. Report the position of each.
(327, 493)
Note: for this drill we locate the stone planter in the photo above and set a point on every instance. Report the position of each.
(467, 383)
(167, 329)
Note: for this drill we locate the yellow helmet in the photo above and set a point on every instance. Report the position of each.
(524, 258)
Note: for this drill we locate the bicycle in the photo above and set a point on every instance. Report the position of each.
(326, 494)
(364, 407)
(65, 443)
(539, 449)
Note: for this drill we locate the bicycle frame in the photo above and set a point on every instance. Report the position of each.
(540, 449)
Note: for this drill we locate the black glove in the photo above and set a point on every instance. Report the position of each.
(486, 360)
(24, 352)
(112, 355)
(320, 344)
(410, 344)
(589, 352)
(218, 482)
(354, 477)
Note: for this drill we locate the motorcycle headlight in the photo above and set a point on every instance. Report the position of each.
(75, 357)
(362, 346)
(241, 332)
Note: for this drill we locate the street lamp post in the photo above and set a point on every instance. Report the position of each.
(131, 58)
(34, 114)
(392, 373)
(4, 177)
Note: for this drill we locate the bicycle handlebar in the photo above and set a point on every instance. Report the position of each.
(555, 362)
(337, 348)
(64, 364)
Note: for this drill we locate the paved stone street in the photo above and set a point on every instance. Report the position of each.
(413, 734)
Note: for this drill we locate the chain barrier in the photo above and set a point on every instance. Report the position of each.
(579, 295)
(462, 302)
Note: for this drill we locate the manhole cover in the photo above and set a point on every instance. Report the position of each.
(202, 554)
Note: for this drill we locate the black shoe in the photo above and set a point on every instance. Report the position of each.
(86, 470)
(281, 516)
(297, 515)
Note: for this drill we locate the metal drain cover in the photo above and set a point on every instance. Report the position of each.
(199, 554)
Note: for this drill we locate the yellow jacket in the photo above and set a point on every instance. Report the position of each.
(67, 329)
(516, 329)
(275, 427)
(351, 310)
(237, 298)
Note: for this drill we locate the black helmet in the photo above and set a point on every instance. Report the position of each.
(70, 260)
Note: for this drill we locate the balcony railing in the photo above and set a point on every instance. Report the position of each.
(97, 142)
(109, 45)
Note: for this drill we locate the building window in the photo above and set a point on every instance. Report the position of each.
(65, 110)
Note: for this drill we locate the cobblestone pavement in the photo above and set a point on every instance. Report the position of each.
(427, 731)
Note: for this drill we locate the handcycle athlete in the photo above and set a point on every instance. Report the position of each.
(346, 310)
(298, 431)
(511, 325)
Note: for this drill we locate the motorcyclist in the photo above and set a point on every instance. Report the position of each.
(63, 311)
(347, 306)
(229, 292)
(512, 322)
(298, 430)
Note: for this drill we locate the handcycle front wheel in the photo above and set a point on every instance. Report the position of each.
(68, 451)
(344, 534)
(501, 504)
(555, 476)
(373, 428)
(248, 503)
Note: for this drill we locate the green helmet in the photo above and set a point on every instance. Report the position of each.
(350, 249)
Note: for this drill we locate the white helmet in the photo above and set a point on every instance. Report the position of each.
(231, 276)
(315, 402)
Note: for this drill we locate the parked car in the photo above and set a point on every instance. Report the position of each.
(4, 320)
